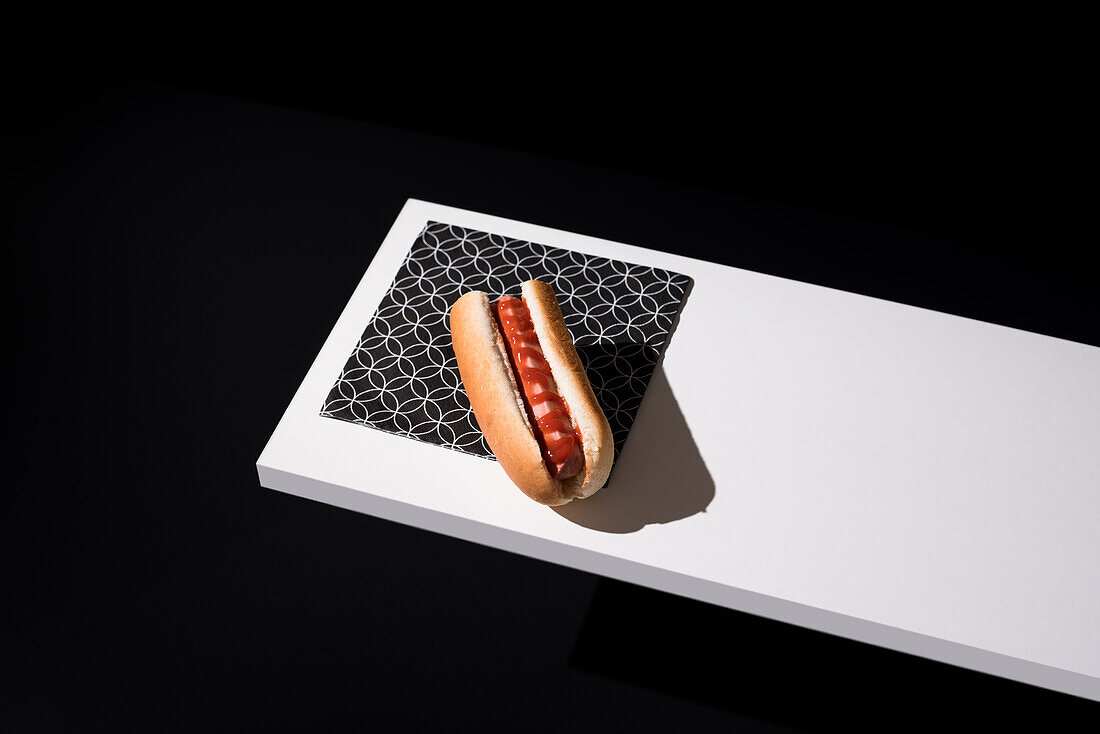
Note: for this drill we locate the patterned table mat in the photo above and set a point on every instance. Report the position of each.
(402, 378)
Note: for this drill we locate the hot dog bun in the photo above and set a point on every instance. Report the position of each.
(498, 404)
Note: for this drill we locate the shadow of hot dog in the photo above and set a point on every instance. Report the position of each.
(659, 475)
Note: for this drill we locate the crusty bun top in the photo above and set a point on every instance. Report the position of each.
(574, 387)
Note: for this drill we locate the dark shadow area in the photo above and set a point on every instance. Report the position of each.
(935, 158)
(660, 476)
(797, 677)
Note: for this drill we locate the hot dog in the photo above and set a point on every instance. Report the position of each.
(530, 394)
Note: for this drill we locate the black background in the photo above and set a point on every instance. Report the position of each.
(169, 276)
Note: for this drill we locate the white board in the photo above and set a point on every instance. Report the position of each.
(898, 476)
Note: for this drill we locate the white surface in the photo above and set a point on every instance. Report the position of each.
(894, 475)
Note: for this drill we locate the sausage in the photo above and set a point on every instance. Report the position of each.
(558, 437)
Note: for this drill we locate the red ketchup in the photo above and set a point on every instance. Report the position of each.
(560, 442)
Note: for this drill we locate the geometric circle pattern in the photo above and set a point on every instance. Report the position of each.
(402, 377)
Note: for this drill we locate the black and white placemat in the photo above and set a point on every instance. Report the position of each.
(403, 379)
